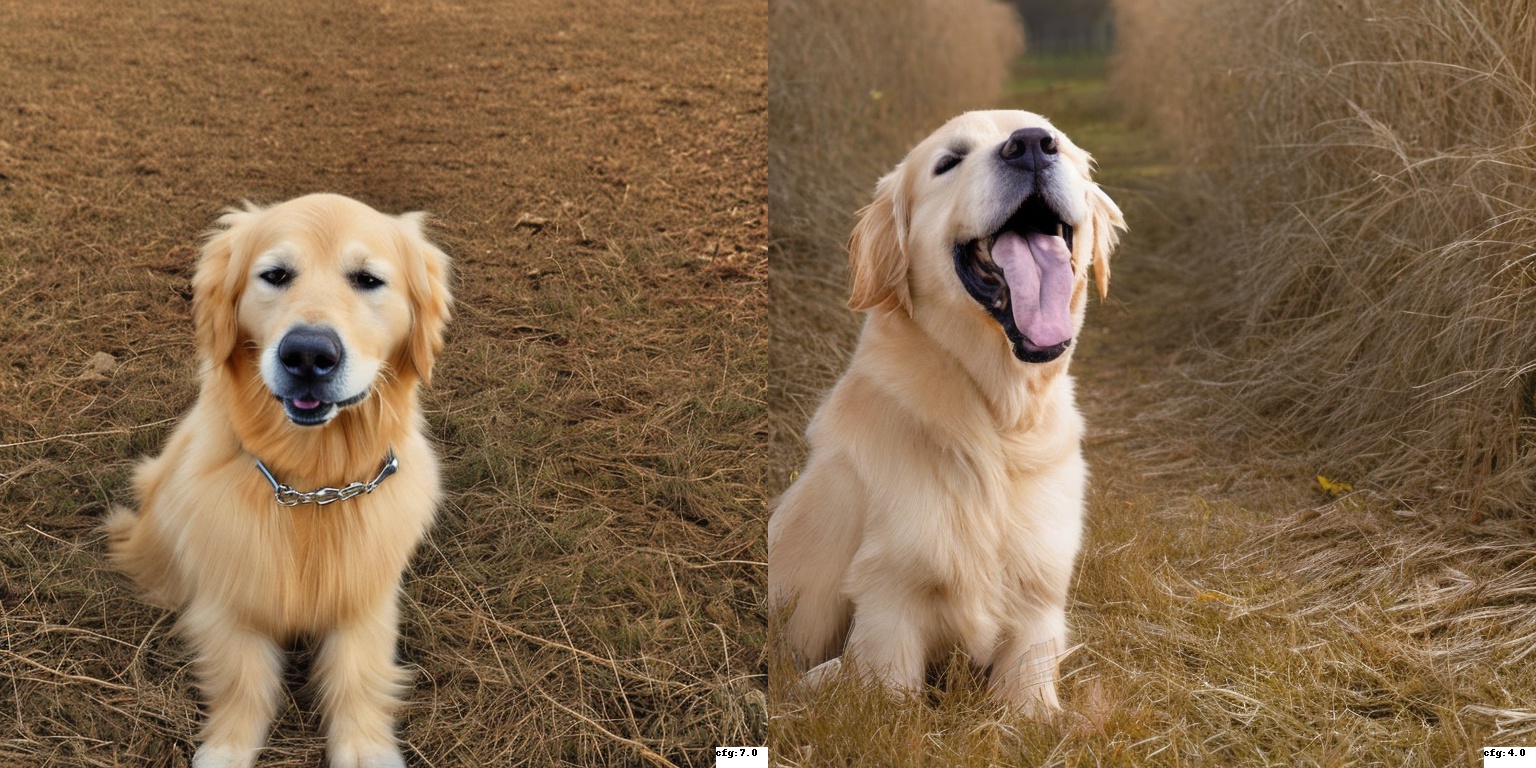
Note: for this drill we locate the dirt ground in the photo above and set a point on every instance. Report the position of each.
(591, 594)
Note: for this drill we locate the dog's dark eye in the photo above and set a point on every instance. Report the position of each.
(365, 281)
(276, 276)
(945, 163)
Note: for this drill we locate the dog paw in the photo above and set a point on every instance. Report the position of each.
(817, 677)
(1036, 702)
(223, 757)
(368, 757)
(822, 673)
(393, 760)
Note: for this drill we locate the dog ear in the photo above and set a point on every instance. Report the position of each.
(217, 284)
(426, 276)
(877, 250)
(1108, 223)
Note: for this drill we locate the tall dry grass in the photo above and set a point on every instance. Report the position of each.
(1372, 209)
(852, 85)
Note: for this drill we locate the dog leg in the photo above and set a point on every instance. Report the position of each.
(239, 672)
(360, 687)
(812, 537)
(889, 643)
(1024, 668)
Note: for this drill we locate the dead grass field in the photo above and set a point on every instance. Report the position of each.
(1228, 612)
(591, 594)
(1368, 232)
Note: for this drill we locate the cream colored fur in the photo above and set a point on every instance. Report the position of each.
(209, 541)
(942, 502)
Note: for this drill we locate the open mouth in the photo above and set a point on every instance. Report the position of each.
(1022, 275)
(308, 411)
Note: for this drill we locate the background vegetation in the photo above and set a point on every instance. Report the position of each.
(1368, 227)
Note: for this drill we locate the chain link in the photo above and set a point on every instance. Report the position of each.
(289, 497)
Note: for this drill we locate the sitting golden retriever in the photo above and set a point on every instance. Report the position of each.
(315, 321)
(942, 503)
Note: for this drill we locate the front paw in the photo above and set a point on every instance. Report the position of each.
(818, 677)
(208, 756)
(1034, 702)
(373, 756)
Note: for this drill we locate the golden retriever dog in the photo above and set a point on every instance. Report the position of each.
(315, 319)
(942, 502)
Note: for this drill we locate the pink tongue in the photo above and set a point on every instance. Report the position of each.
(305, 404)
(1039, 275)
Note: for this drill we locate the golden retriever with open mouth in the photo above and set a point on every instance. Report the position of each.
(942, 502)
(315, 320)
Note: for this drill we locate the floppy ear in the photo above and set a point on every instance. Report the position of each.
(426, 277)
(1108, 223)
(217, 284)
(877, 251)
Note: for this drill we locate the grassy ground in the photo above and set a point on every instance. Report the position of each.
(1228, 611)
(591, 594)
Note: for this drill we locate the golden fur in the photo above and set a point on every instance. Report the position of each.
(942, 501)
(246, 574)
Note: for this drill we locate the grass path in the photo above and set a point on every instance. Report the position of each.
(1228, 612)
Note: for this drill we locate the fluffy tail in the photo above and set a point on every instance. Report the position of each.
(119, 527)
(134, 549)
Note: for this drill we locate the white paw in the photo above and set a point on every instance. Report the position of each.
(392, 760)
(379, 756)
(818, 676)
(223, 757)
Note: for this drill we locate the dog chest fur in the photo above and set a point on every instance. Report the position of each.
(279, 570)
(1012, 502)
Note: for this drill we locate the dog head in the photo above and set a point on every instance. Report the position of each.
(325, 296)
(994, 219)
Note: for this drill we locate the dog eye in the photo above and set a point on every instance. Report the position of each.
(276, 276)
(365, 281)
(945, 163)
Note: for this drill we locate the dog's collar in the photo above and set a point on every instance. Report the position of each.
(288, 497)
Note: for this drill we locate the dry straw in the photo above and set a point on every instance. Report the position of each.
(1369, 227)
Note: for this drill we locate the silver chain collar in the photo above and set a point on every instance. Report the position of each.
(288, 497)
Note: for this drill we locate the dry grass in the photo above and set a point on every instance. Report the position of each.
(591, 594)
(852, 86)
(1227, 612)
(1372, 210)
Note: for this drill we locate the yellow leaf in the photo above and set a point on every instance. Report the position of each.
(1333, 487)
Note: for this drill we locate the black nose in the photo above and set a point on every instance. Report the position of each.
(1030, 149)
(310, 353)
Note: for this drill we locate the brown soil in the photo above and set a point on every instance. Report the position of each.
(596, 169)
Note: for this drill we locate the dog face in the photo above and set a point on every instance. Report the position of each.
(326, 295)
(994, 217)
